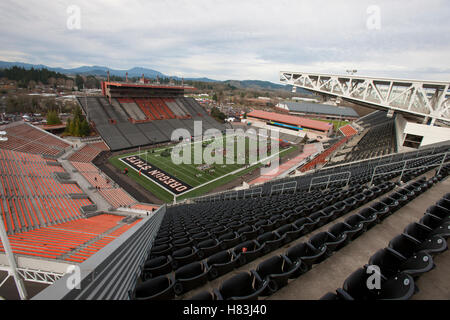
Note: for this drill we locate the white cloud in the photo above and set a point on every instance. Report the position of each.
(252, 39)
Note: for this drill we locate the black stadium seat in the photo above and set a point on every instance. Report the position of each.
(190, 276)
(439, 212)
(159, 288)
(221, 263)
(289, 232)
(398, 287)
(327, 241)
(438, 226)
(248, 251)
(161, 250)
(209, 247)
(306, 253)
(204, 295)
(277, 270)
(271, 241)
(430, 243)
(229, 240)
(391, 263)
(156, 267)
(243, 286)
(184, 256)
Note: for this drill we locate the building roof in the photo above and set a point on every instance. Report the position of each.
(146, 86)
(307, 107)
(293, 120)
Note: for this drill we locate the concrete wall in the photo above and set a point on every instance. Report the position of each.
(431, 134)
(37, 263)
(400, 124)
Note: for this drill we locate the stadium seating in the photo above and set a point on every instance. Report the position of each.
(404, 260)
(31, 196)
(23, 137)
(250, 224)
(243, 286)
(348, 130)
(112, 193)
(378, 141)
(322, 158)
(126, 122)
(88, 152)
(73, 241)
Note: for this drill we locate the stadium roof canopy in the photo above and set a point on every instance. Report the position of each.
(316, 108)
(298, 121)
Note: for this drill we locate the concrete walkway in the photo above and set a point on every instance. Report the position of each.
(102, 204)
(308, 150)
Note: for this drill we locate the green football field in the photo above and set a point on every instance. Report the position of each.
(201, 177)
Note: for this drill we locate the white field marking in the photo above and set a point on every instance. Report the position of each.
(206, 183)
(147, 177)
(188, 174)
(234, 172)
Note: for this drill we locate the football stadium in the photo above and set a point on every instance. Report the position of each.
(165, 202)
(364, 196)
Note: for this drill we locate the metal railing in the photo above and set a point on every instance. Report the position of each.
(291, 185)
(347, 179)
(405, 163)
(253, 192)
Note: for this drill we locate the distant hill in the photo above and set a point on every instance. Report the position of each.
(149, 73)
(89, 70)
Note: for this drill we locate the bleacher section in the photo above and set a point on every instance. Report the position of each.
(200, 242)
(112, 193)
(131, 108)
(23, 137)
(31, 196)
(378, 140)
(73, 241)
(348, 130)
(372, 119)
(179, 112)
(321, 158)
(360, 172)
(88, 152)
(127, 122)
(408, 256)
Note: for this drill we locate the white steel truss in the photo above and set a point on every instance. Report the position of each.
(40, 276)
(428, 99)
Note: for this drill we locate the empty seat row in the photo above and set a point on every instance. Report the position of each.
(273, 273)
(407, 257)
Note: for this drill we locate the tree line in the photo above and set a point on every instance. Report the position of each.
(24, 76)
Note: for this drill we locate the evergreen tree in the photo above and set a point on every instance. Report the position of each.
(53, 118)
(67, 126)
(84, 128)
(79, 82)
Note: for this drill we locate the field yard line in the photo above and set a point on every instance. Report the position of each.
(234, 172)
(174, 169)
(173, 194)
(185, 168)
(191, 142)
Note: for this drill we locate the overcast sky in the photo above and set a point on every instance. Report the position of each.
(228, 39)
